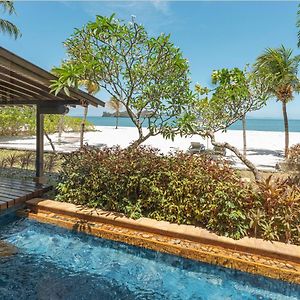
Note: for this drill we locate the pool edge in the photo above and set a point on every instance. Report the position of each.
(134, 233)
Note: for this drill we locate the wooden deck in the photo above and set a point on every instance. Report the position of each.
(14, 192)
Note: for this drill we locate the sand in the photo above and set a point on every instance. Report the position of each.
(265, 148)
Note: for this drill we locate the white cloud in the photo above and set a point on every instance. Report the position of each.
(162, 6)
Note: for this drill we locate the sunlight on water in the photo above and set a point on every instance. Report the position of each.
(53, 263)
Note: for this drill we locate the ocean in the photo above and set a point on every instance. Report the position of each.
(252, 124)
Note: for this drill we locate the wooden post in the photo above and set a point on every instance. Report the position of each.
(39, 162)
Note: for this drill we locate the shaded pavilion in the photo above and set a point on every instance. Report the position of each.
(23, 83)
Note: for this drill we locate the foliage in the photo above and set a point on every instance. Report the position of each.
(294, 154)
(25, 160)
(21, 121)
(298, 25)
(276, 213)
(181, 188)
(235, 93)
(6, 26)
(140, 182)
(279, 68)
(144, 73)
(115, 105)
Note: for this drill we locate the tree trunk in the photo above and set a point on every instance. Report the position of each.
(244, 136)
(233, 149)
(117, 120)
(50, 141)
(60, 127)
(142, 138)
(83, 125)
(286, 129)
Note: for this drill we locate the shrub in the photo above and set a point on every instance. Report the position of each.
(276, 213)
(16, 121)
(294, 154)
(180, 188)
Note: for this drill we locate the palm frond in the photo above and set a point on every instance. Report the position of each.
(298, 25)
(9, 28)
(7, 6)
(91, 86)
(114, 104)
(280, 67)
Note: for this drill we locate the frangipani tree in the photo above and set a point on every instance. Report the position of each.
(235, 94)
(144, 73)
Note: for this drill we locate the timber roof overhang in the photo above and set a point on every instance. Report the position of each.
(23, 83)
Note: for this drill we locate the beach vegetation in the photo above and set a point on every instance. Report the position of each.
(115, 105)
(92, 88)
(181, 188)
(279, 68)
(144, 73)
(235, 93)
(6, 26)
(294, 155)
(17, 162)
(298, 25)
(20, 121)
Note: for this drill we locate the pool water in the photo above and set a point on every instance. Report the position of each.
(54, 263)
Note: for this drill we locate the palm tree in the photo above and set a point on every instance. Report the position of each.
(92, 88)
(298, 25)
(115, 105)
(6, 26)
(279, 67)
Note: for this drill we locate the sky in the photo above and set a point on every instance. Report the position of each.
(211, 34)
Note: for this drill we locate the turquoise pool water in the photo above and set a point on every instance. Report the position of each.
(53, 263)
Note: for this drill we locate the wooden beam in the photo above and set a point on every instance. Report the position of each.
(33, 101)
(26, 86)
(13, 64)
(29, 83)
(25, 91)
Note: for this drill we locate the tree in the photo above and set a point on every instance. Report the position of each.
(279, 68)
(116, 106)
(144, 73)
(298, 25)
(92, 88)
(5, 25)
(235, 94)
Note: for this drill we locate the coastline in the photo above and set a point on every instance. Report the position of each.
(265, 148)
(252, 124)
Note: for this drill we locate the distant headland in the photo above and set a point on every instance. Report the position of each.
(124, 114)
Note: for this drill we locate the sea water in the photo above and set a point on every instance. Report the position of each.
(252, 124)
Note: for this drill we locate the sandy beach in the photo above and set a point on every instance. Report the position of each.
(265, 148)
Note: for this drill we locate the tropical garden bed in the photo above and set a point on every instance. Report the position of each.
(183, 189)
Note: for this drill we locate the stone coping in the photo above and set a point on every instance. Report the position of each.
(187, 232)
